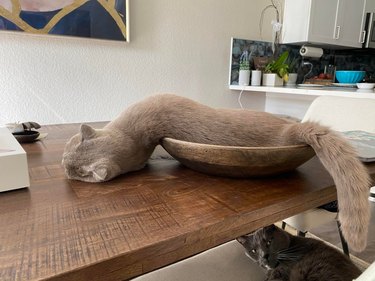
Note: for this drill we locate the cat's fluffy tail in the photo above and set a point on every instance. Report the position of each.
(349, 174)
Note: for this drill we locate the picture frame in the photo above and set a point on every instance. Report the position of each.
(99, 19)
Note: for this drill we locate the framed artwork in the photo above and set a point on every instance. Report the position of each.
(101, 19)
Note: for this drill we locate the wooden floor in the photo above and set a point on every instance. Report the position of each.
(328, 232)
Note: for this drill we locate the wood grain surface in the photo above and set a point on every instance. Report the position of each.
(238, 161)
(60, 229)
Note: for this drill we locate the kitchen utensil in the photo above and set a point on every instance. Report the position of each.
(367, 86)
(350, 76)
(236, 161)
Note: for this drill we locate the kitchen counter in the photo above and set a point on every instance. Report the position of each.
(294, 101)
(308, 91)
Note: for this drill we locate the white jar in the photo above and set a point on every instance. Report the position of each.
(244, 78)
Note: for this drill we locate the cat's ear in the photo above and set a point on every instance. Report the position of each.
(271, 227)
(241, 239)
(100, 173)
(87, 132)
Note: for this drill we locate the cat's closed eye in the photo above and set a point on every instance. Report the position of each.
(80, 171)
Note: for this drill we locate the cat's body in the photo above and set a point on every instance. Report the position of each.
(287, 257)
(127, 142)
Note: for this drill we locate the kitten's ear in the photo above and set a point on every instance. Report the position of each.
(270, 227)
(100, 173)
(87, 132)
(241, 239)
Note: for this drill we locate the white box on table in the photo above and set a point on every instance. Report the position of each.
(14, 172)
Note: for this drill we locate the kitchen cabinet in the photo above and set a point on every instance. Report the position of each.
(335, 22)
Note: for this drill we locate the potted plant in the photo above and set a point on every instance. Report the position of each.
(276, 24)
(244, 74)
(293, 68)
(277, 71)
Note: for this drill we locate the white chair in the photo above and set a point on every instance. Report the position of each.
(340, 114)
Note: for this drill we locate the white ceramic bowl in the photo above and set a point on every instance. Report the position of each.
(367, 86)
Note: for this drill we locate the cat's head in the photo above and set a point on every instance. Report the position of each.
(88, 157)
(95, 155)
(265, 245)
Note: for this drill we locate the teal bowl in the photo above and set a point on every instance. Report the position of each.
(350, 76)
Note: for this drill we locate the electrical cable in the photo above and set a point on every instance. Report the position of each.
(239, 98)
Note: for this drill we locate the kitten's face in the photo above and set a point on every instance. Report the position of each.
(264, 245)
(86, 157)
(97, 155)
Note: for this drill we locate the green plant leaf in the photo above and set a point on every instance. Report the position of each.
(279, 66)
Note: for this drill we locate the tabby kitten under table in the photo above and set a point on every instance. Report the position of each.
(289, 257)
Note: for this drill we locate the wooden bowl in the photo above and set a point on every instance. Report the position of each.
(235, 161)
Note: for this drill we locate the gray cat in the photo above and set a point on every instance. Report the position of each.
(126, 143)
(287, 257)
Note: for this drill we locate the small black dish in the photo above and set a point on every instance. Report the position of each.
(26, 136)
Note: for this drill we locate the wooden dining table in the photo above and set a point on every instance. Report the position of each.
(60, 229)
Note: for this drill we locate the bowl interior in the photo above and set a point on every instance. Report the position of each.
(235, 161)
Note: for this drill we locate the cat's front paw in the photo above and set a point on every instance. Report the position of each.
(278, 274)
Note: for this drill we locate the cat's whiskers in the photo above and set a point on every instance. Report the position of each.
(290, 254)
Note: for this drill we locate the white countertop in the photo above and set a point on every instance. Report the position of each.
(309, 91)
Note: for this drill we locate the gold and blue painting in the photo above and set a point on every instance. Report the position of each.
(101, 19)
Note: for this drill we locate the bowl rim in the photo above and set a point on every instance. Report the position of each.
(364, 85)
(250, 148)
(350, 71)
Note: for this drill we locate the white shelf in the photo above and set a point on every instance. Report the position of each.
(294, 90)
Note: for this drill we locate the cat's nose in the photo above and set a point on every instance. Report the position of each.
(265, 256)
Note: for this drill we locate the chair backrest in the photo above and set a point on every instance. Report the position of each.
(343, 113)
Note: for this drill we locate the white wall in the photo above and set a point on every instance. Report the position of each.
(176, 46)
(370, 6)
